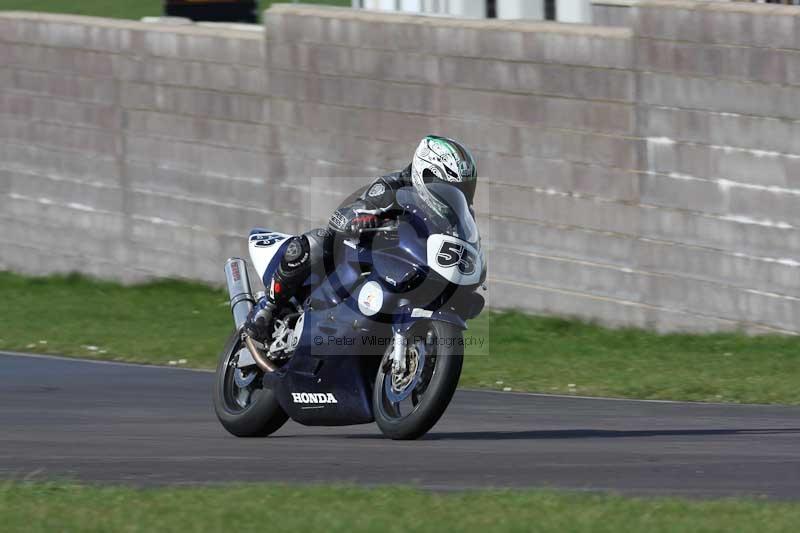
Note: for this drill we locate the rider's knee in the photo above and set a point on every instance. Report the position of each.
(296, 262)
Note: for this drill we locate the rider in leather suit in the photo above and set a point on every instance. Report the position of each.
(437, 159)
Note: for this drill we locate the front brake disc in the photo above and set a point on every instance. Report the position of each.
(243, 380)
(408, 382)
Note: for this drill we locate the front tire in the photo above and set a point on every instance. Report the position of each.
(442, 348)
(250, 412)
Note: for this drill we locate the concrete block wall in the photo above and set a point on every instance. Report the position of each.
(612, 12)
(636, 175)
(718, 113)
(129, 150)
(548, 109)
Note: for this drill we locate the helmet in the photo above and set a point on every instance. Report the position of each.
(443, 160)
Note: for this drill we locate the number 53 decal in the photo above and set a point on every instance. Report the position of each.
(454, 259)
(452, 253)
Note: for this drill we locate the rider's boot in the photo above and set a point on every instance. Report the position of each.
(258, 324)
(291, 273)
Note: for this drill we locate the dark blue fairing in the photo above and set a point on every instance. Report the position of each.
(340, 348)
(338, 354)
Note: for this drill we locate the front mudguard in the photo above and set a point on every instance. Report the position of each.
(469, 305)
(408, 320)
(462, 308)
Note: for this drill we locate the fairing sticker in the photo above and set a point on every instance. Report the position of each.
(455, 260)
(370, 299)
(263, 247)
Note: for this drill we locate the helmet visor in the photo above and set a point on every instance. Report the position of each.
(467, 187)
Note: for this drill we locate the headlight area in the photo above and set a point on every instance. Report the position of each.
(412, 279)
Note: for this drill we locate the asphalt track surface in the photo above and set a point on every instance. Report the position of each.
(107, 422)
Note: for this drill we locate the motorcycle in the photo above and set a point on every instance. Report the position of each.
(375, 335)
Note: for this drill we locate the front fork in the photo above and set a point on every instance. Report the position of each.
(399, 352)
(405, 319)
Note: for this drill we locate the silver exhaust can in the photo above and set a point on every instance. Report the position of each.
(238, 290)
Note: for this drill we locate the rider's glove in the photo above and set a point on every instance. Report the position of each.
(362, 222)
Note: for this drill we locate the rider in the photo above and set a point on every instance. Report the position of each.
(437, 159)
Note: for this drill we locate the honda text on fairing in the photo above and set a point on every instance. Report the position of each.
(374, 330)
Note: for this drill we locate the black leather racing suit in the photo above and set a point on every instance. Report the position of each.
(360, 210)
(371, 201)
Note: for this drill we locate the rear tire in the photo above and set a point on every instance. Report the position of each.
(433, 395)
(262, 416)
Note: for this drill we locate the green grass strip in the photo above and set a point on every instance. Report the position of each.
(171, 321)
(122, 9)
(33, 508)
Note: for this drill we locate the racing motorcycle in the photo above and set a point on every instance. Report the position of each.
(375, 335)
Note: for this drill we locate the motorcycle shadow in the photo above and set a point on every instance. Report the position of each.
(587, 434)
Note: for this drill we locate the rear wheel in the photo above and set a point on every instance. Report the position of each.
(243, 406)
(407, 404)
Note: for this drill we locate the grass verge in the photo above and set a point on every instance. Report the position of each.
(59, 507)
(123, 9)
(184, 323)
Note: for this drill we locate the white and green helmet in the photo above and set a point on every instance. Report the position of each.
(443, 160)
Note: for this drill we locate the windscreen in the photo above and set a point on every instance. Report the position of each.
(445, 210)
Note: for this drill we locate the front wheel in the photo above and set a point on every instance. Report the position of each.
(407, 404)
(243, 406)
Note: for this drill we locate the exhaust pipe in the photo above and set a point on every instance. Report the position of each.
(262, 362)
(242, 303)
(238, 290)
